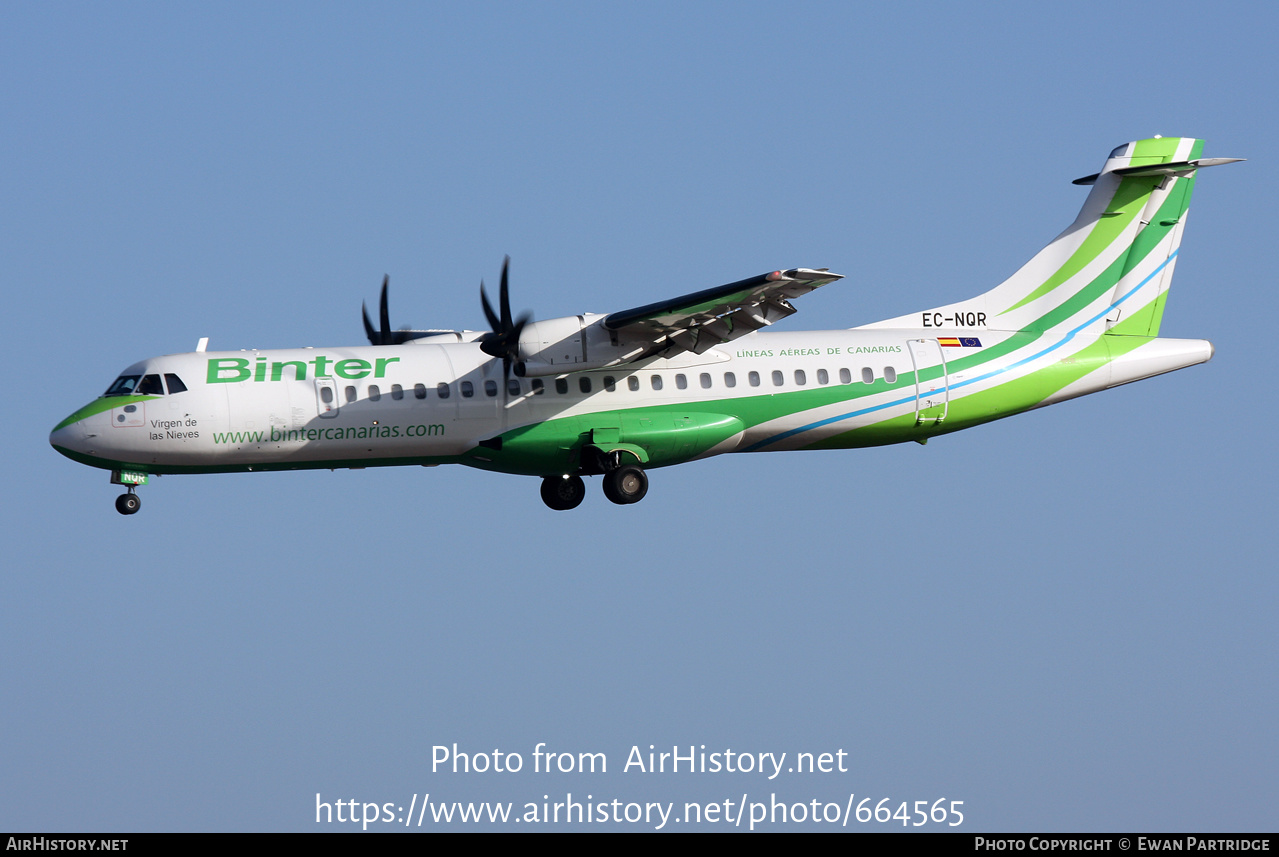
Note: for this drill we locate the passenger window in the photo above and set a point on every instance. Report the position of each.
(350, 394)
(326, 395)
(868, 375)
(845, 377)
(561, 385)
(705, 380)
(656, 381)
(512, 386)
(490, 388)
(610, 383)
(150, 386)
(753, 377)
(538, 387)
(419, 391)
(442, 390)
(681, 383)
(175, 383)
(397, 392)
(374, 393)
(633, 384)
(823, 377)
(468, 389)
(730, 380)
(800, 378)
(584, 383)
(778, 378)
(890, 374)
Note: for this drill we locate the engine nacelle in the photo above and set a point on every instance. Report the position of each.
(573, 343)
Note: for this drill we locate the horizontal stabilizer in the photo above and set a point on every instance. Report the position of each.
(1109, 271)
(1177, 168)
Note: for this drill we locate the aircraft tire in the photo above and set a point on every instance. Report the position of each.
(625, 485)
(561, 493)
(128, 504)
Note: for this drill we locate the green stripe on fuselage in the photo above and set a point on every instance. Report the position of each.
(100, 404)
(1003, 400)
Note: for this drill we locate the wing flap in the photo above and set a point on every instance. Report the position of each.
(699, 321)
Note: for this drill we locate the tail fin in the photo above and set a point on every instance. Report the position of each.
(1111, 268)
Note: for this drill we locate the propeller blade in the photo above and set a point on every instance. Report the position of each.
(494, 324)
(368, 326)
(518, 328)
(503, 338)
(386, 337)
(505, 295)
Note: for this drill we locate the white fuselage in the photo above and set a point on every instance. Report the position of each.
(431, 403)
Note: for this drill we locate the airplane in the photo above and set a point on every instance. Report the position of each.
(616, 395)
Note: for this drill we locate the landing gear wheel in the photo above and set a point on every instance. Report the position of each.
(627, 484)
(562, 493)
(128, 504)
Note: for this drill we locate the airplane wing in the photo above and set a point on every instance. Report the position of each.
(702, 320)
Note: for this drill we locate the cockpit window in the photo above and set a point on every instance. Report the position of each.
(123, 386)
(175, 383)
(150, 386)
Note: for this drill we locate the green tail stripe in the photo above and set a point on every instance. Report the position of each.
(1145, 241)
(1128, 202)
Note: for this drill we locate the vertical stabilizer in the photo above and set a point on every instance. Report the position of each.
(1110, 270)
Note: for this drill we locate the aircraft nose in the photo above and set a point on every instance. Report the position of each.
(66, 437)
(73, 434)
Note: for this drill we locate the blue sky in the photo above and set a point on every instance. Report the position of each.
(1064, 620)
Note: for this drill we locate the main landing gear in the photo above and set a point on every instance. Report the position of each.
(562, 493)
(626, 484)
(623, 485)
(128, 504)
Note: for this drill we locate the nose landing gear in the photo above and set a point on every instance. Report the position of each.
(128, 504)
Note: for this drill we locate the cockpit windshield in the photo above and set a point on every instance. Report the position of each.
(145, 385)
(123, 385)
(150, 386)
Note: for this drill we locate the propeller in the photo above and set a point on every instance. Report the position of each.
(504, 339)
(384, 336)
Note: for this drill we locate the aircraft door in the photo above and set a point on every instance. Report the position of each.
(326, 397)
(932, 385)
